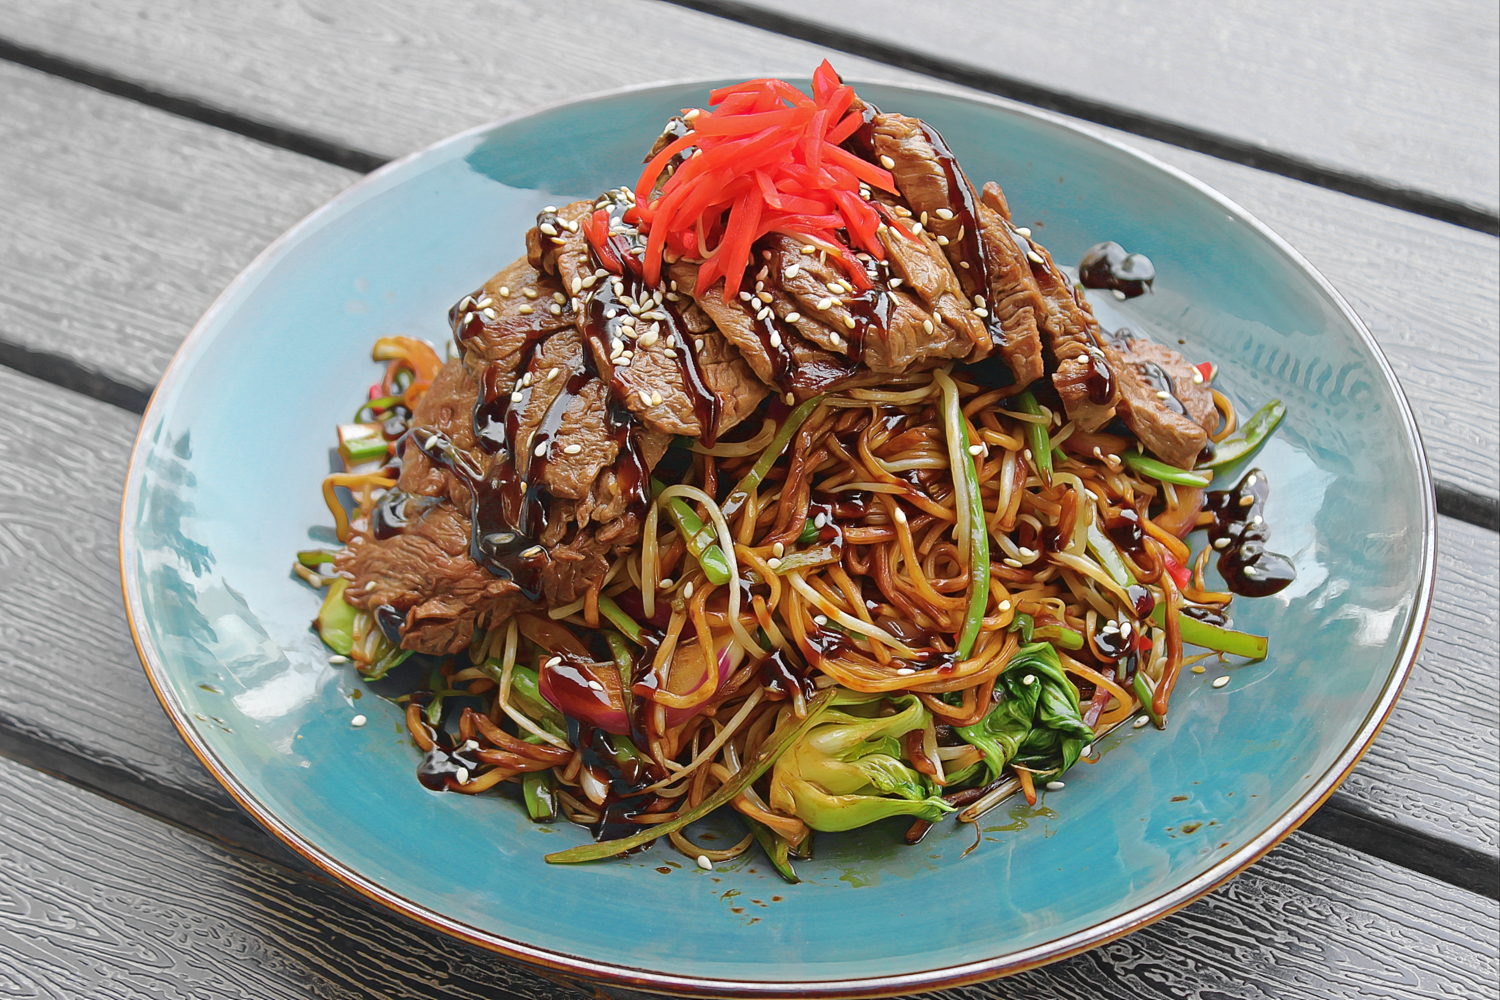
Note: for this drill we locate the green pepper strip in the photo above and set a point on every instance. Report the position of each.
(979, 536)
(809, 533)
(1143, 694)
(624, 660)
(774, 746)
(365, 449)
(383, 403)
(1037, 438)
(777, 850)
(699, 538)
(1224, 640)
(1163, 472)
(740, 495)
(313, 558)
(1109, 556)
(1059, 636)
(536, 789)
(619, 619)
(1247, 440)
(435, 708)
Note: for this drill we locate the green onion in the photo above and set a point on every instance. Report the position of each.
(383, 403)
(1163, 472)
(778, 851)
(1109, 556)
(390, 661)
(1215, 637)
(541, 799)
(809, 533)
(313, 558)
(774, 746)
(1143, 694)
(699, 537)
(1024, 624)
(624, 660)
(435, 707)
(1037, 438)
(619, 619)
(752, 479)
(962, 462)
(1059, 636)
(365, 449)
(1247, 440)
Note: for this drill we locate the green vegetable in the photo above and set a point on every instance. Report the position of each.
(1037, 438)
(540, 796)
(609, 609)
(957, 429)
(772, 749)
(1057, 634)
(435, 707)
(1247, 440)
(383, 403)
(335, 619)
(809, 533)
(365, 449)
(1163, 472)
(848, 772)
(1144, 693)
(1024, 624)
(1109, 556)
(1037, 720)
(778, 851)
(526, 695)
(818, 555)
(752, 479)
(386, 663)
(1216, 637)
(701, 539)
(313, 558)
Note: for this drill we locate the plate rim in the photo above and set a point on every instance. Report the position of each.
(893, 984)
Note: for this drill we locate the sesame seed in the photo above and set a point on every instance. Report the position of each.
(793, 317)
(1023, 230)
(905, 671)
(516, 397)
(775, 339)
(927, 325)
(1055, 786)
(504, 291)
(976, 450)
(548, 228)
(1125, 629)
(573, 449)
(1034, 257)
(1086, 751)
(1199, 668)
(461, 776)
(577, 287)
(489, 314)
(532, 552)
(808, 249)
(900, 516)
(698, 343)
(849, 322)
(1004, 605)
(824, 304)
(525, 310)
(744, 296)
(336, 658)
(763, 296)
(792, 271)
(1027, 454)
(773, 562)
(692, 114)
(763, 314)
(838, 342)
(687, 591)
(623, 362)
(916, 227)
(704, 863)
(1220, 682)
(1197, 377)
(357, 721)
(944, 213)
(555, 309)
(942, 241)
(590, 281)
(963, 263)
(779, 548)
(1140, 722)
(1029, 680)
(555, 661)
(540, 450)
(656, 399)
(530, 293)
(552, 373)
(887, 162)
(1121, 296)
(820, 620)
(665, 584)
(1246, 501)
(370, 585)
(981, 312)
(1012, 563)
(820, 520)
(1250, 571)
(791, 400)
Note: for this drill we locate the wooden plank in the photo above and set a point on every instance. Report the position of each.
(1384, 89)
(97, 221)
(104, 901)
(58, 568)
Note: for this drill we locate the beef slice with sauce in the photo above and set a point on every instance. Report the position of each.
(1015, 302)
(425, 573)
(1071, 333)
(552, 232)
(518, 311)
(446, 408)
(1140, 367)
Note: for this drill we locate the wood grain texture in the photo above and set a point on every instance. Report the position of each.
(98, 900)
(1401, 92)
(123, 224)
(91, 220)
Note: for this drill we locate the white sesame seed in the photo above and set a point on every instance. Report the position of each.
(370, 585)
(548, 228)
(1197, 377)
(773, 562)
(504, 291)
(623, 362)
(1163, 395)
(791, 400)
(489, 314)
(1120, 295)
(1220, 682)
(687, 591)
(824, 304)
(775, 339)
(808, 249)
(942, 241)
(461, 776)
(849, 322)
(698, 343)
(916, 227)
(905, 671)
(976, 450)
(1247, 501)
(1055, 786)
(900, 516)
(820, 520)
(530, 293)
(792, 271)
(1125, 629)
(1004, 605)
(793, 317)
(763, 296)
(981, 312)
(665, 584)
(963, 264)
(573, 449)
(763, 314)
(744, 296)
(656, 399)
(820, 620)
(927, 325)
(1140, 722)
(887, 162)
(540, 450)
(357, 721)
(1012, 563)
(1087, 751)
(516, 397)
(1250, 571)
(552, 373)
(1023, 231)
(1034, 257)
(1029, 680)
(555, 661)
(704, 863)
(336, 658)
(1256, 519)
(525, 310)
(778, 549)
(1221, 543)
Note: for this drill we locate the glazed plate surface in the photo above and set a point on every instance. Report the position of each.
(224, 487)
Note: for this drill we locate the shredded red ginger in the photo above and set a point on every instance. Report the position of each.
(767, 159)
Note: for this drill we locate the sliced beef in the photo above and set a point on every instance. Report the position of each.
(447, 408)
(496, 325)
(425, 572)
(553, 230)
(1015, 302)
(1082, 375)
(1160, 400)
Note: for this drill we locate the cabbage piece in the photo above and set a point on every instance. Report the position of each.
(1037, 721)
(847, 771)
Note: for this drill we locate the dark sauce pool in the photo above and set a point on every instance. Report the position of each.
(1239, 533)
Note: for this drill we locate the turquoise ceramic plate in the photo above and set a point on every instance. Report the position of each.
(223, 488)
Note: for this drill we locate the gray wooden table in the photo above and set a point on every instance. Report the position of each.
(150, 148)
